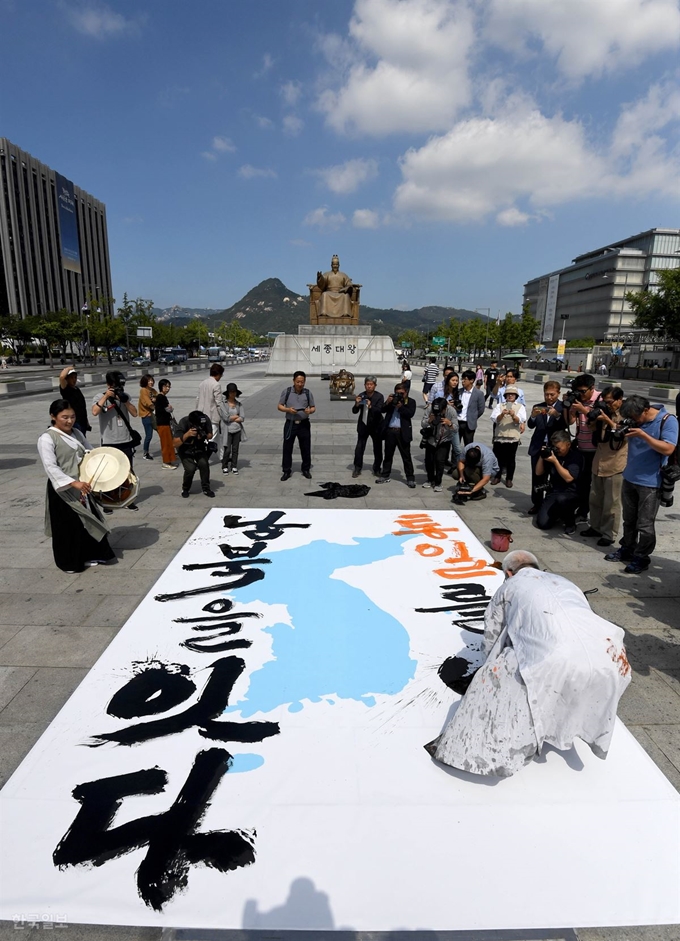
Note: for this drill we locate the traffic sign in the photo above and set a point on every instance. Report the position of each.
(438, 341)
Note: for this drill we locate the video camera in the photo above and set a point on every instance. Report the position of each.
(570, 397)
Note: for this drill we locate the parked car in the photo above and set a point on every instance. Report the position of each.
(139, 361)
(168, 359)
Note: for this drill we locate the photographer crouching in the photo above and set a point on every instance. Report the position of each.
(113, 406)
(476, 468)
(194, 445)
(564, 465)
(652, 435)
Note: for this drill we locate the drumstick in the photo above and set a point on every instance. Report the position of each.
(101, 461)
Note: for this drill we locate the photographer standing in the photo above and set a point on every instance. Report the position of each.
(510, 419)
(578, 404)
(610, 459)
(545, 419)
(113, 406)
(439, 425)
(652, 438)
(564, 465)
(192, 442)
(368, 405)
(297, 403)
(399, 410)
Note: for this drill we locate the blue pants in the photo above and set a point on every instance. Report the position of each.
(148, 433)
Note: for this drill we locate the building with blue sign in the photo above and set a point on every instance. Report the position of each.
(54, 249)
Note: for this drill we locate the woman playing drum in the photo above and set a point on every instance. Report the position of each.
(75, 522)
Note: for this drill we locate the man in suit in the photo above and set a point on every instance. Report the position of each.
(472, 402)
(368, 406)
(399, 410)
(545, 419)
(210, 401)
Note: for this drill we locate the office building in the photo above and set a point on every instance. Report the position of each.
(587, 299)
(54, 250)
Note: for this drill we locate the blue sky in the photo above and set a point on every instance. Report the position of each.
(447, 151)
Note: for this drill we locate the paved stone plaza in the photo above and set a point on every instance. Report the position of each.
(54, 626)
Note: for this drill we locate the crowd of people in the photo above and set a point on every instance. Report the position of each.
(595, 457)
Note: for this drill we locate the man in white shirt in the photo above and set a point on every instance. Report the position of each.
(211, 402)
(472, 400)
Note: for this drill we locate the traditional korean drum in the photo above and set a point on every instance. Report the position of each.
(107, 470)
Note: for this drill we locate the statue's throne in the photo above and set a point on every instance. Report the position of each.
(315, 317)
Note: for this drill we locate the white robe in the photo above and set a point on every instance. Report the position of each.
(554, 671)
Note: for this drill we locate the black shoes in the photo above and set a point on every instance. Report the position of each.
(591, 532)
(285, 475)
(604, 541)
(147, 457)
(307, 475)
(185, 493)
(132, 506)
(410, 483)
(209, 493)
(356, 472)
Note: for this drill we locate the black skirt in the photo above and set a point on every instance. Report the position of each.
(72, 545)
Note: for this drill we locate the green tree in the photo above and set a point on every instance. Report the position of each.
(659, 311)
(508, 333)
(415, 337)
(196, 334)
(233, 335)
(527, 329)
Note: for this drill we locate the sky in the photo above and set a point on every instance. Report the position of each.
(447, 151)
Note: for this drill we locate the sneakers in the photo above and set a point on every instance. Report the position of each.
(569, 530)
(437, 489)
(169, 466)
(620, 555)
(185, 494)
(591, 532)
(91, 565)
(356, 472)
(234, 470)
(636, 566)
(427, 485)
(383, 480)
(581, 517)
(209, 493)
(411, 484)
(146, 456)
(225, 470)
(132, 506)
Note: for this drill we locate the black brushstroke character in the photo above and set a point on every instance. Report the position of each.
(468, 600)
(139, 695)
(266, 528)
(171, 838)
(242, 577)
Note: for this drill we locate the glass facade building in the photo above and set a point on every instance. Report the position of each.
(587, 298)
(54, 250)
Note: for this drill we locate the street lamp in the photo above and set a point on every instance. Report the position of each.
(563, 318)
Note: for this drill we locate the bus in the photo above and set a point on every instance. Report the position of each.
(217, 354)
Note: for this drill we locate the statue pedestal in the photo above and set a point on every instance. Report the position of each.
(321, 350)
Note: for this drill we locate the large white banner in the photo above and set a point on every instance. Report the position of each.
(248, 752)
(550, 309)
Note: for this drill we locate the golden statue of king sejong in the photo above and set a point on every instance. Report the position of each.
(334, 299)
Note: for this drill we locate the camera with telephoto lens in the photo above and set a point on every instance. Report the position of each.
(119, 389)
(398, 398)
(624, 426)
(547, 451)
(464, 487)
(570, 397)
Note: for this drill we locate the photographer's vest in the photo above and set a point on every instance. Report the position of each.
(507, 432)
(69, 460)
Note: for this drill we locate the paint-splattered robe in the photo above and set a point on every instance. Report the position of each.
(554, 671)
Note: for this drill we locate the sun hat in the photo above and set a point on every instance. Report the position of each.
(232, 387)
(104, 468)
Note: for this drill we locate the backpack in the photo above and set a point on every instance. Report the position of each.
(288, 392)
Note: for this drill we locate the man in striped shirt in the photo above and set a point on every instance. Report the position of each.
(430, 376)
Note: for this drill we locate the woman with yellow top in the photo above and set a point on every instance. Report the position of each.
(145, 409)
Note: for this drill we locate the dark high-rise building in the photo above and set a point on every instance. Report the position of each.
(54, 250)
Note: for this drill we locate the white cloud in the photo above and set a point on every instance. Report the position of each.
(487, 165)
(365, 219)
(347, 177)
(223, 145)
(249, 172)
(290, 92)
(640, 119)
(267, 66)
(322, 219)
(208, 155)
(263, 122)
(300, 243)
(586, 37)
(99, 21)
(512, 217)
(419, 81)
(292, 125)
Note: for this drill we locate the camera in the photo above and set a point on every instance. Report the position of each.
(622, 429)
(439, 407)
(398, 398)
(670, 474)
(464, 487)
(600, 409)
(119, 389)
(547, 451)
